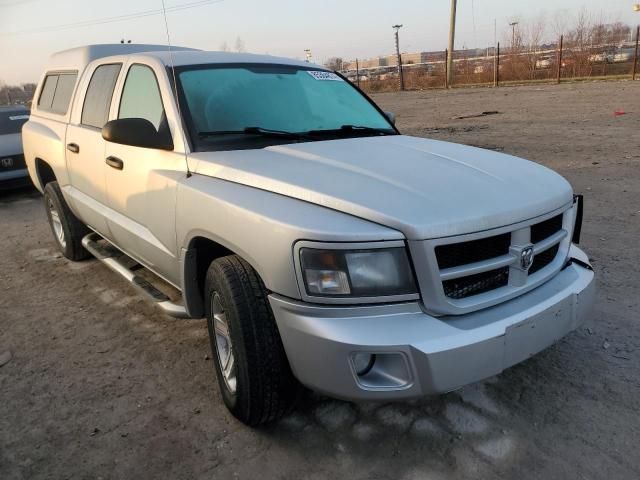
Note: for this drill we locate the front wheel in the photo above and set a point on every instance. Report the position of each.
(253, 372)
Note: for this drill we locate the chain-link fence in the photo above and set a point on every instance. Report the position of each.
(605, 52)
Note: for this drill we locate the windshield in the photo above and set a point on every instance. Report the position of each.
(252, 106)
(11, 121)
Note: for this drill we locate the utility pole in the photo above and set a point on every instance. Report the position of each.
(560, 59)
(635, 57)
(400, 72)
(496, 72)
(452, 36)
(513, 35)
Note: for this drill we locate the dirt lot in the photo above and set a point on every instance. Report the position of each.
(101, 385)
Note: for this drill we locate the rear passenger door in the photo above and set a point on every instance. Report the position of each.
(85, 148)
(141, 189)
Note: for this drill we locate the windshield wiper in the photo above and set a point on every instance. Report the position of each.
(351, 129)
(264, 132)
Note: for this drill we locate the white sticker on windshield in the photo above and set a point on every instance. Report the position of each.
(320, 75)
(19, 117)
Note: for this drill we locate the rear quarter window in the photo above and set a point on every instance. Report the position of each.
(57, 91)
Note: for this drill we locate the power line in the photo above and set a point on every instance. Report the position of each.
(12, 3)
(118, 18)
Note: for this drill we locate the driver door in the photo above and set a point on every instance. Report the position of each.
(141, 182)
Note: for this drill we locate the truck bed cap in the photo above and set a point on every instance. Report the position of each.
(78, 58)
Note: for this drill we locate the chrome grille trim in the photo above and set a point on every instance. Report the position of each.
(431, 277)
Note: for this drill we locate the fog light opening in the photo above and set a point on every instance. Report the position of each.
(363, 363)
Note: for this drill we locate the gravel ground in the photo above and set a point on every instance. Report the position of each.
(101, 385)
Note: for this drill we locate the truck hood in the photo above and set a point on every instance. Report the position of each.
(423, 188)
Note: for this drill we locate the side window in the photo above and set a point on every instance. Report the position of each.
(56, 92)
(95, 111)
(48, 89)
(64, 91)
(141, 96)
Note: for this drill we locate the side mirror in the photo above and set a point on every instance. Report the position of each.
(137, 132)
(391, 116)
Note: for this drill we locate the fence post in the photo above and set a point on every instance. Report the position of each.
(357, 73)
(496, 71)
(635, 58)
(446, 68)
(560, 58)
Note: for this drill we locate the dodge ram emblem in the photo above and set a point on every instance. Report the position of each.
(526, 257)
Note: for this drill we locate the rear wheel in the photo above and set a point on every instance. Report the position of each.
(67, 229)
(253, 372)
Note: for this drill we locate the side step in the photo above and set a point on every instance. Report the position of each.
(109, 255)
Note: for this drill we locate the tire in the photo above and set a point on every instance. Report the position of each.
(67, 230)
(264, 388)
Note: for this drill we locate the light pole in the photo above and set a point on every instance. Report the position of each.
(513, 35)
(452, 36)
(636, 8)
(400, 72)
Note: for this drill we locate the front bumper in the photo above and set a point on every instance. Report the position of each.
(428, 355)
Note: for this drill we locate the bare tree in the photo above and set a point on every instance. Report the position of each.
(579, 43)
(559, 23)
(335, 63)
(224, 47)
(534, 32)
(239, 45)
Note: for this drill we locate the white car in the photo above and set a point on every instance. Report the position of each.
(623, 56)
(603, 57)
(13, 171)
(324, 247)
(544, 63)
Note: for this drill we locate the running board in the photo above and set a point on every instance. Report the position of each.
(109, 254)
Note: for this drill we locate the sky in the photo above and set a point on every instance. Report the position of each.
(30, 30)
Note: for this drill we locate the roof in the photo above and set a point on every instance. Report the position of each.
(79, 58)
(195, 57)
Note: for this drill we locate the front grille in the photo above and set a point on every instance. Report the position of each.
(464, 287)
(456, 254)
(543, 259)
(470, 268)
(12, 162)
(543, 230)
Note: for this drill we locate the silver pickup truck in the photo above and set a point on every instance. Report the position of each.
(323, 247)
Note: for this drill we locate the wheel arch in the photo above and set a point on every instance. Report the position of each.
(196, 257)
(44, 172)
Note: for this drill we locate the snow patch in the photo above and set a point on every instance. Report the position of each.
(392, 416)
(465, 420)
(335, 415)
(497, 448)
(477, 396)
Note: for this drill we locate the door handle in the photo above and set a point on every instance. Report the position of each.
(115, 162)
(73, 147)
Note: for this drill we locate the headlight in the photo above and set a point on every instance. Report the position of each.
(378, 272)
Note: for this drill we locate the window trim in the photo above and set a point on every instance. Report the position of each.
(86, 91)
(44, 80)
(155, 77)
